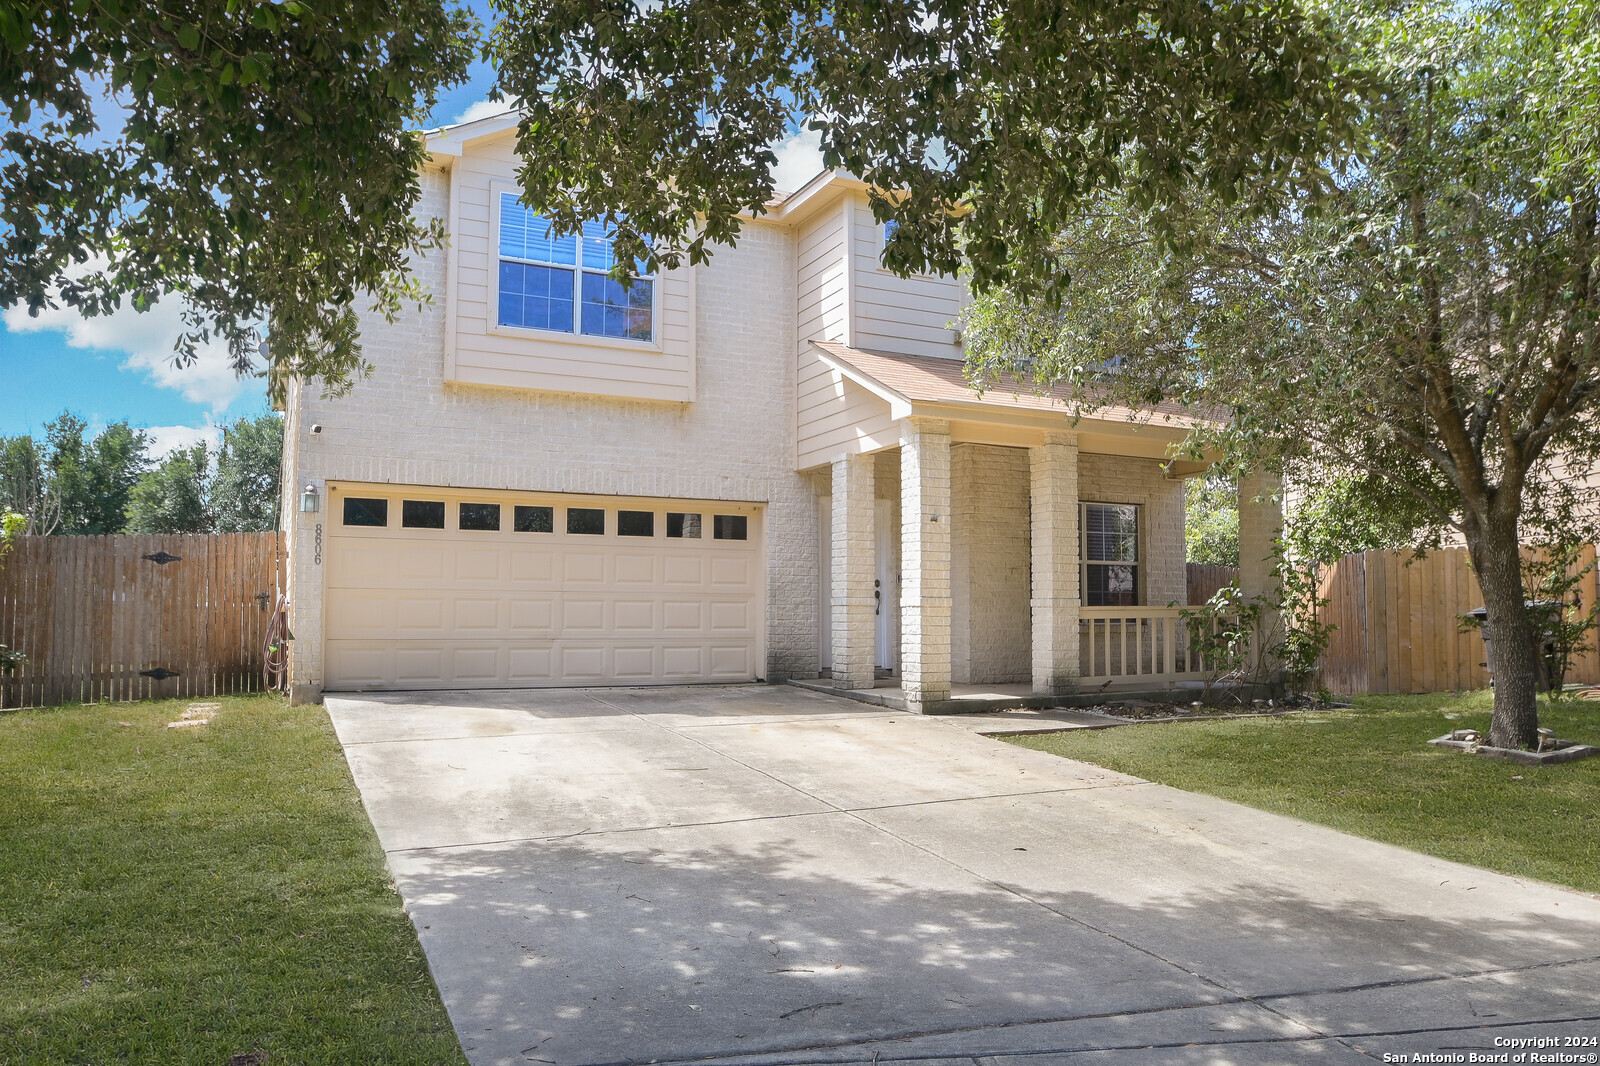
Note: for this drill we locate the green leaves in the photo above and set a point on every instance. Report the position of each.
(225, 119)
(1015, 113)
(1421, 337)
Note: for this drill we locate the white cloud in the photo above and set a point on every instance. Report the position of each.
(483, 109)
(799, 160)
(146, 340)
(167, 439)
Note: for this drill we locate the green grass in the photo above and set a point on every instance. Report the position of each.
(186, 895)
(1368, 771)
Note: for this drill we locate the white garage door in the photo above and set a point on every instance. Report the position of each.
(447, 588)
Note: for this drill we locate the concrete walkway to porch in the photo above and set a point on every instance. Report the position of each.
(763, 875)
(966, 700)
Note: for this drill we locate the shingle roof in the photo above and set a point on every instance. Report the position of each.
(928, 379)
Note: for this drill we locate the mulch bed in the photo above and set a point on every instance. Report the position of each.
(1150, 711)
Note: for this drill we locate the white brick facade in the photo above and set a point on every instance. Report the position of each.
(925, 561)
(854, 563)
(1053, 487)
(405, 425)
(989, 564)
(978, 547)
(1260, 524)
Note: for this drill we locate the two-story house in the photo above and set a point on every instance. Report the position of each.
(767, 467)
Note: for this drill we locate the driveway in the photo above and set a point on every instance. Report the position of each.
(768, 875)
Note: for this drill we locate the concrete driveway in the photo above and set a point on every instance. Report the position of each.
(767, 875)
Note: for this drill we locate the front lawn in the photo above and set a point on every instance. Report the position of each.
(191, 895)
(1368, 771)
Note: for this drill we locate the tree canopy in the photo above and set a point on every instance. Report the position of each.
(1425, 328)
(243, 494)
(1211, 520)
(171, 497)
(256, 159)
(68, 483)
(71, 483)
(992, 120)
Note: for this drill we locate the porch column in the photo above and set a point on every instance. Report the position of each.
(854, 546)
(1053, 497)
(1260, 525)
(924, 561)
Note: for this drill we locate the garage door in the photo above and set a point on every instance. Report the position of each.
(435, 588)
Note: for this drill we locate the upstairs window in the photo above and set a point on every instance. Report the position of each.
(1110, 555)
(562, 284)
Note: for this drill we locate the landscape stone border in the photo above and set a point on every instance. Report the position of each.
(1563, 751)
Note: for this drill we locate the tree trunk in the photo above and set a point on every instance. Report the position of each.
(1513, 652)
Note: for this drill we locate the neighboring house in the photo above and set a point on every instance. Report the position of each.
(763, 468)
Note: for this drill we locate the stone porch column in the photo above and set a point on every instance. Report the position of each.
(1053, 496)
(924, 561)
(854, 544)
(1260, 525)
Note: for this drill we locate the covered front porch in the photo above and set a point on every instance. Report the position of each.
(982, 548)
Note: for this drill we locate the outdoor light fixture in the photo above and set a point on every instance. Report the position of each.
(309, 500)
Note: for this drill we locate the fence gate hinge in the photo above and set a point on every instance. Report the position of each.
(161, 558)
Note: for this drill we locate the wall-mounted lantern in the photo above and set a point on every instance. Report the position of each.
(310, 502)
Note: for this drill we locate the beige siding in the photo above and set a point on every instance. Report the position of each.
(821, 281)
(835, 416)
(907, 316)
(481, 353)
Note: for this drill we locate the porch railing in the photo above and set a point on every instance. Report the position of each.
(1135, 645)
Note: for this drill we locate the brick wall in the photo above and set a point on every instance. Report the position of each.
(925, 560)
(1120, 479)
(991, 626)
(405, 425)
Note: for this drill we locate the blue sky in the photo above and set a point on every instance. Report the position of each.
(120, 366)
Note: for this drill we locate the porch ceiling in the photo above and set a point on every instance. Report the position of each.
(1013, 414)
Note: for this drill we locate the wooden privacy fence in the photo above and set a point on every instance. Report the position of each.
(1205, 579)
(133, 617)
(1399, 624)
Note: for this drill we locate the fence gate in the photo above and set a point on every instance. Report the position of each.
(134, 617)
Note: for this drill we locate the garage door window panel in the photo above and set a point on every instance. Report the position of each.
(534, 519)
(586, 521)
(362, 511)
(478, 516)
(731, 527)
(636, 523)
(422, 514)
(683, 526)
